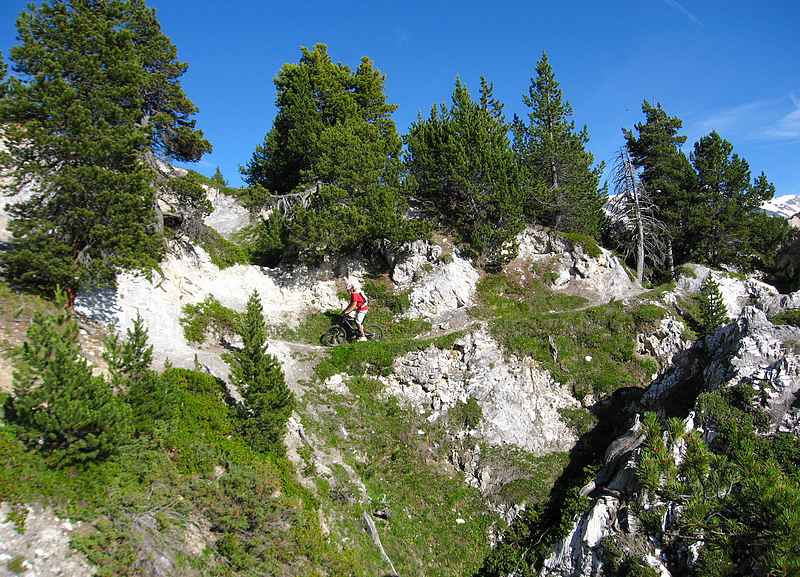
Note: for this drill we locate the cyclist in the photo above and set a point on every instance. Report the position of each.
(358, 307)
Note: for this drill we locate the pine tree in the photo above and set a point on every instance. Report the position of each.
(60, 407)
(564, 190)
(463, 170)
(713, 312)
(332, 158)
(95, 106)
(129, 360)
(725, 203)
(655, 149)
(268, 402)
(218, 181)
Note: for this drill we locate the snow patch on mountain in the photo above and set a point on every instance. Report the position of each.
(787, 205)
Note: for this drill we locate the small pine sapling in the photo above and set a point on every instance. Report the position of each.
(268, 402)
(60, 407)
(713, 312)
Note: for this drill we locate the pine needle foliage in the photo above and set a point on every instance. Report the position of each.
(94, 107)
(712, 310)
(60, 408)
(268, 402)
(463, 172)
(563, 189)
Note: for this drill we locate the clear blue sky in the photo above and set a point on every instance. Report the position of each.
(729, 65)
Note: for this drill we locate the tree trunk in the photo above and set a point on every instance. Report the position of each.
(670, 259)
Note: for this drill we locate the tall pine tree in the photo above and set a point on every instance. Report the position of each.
(95, 106)
(725, 204)
(564, 190)
(655, 148)
(268, 402)
(334, 141)
(463, 170)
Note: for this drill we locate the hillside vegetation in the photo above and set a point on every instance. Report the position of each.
(560, 388)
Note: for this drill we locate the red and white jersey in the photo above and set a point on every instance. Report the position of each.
(360, 301)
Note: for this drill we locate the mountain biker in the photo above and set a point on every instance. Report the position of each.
(358, 307)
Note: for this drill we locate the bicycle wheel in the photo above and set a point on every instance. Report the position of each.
(334, 336)
(373, 332)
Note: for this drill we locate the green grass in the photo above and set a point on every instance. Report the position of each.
(384, 306)
(523, 319)
(223, 252)
(580, 420)
(397, 465)
(584, 241)
(375, 357)
(16, 565)
(686, 270)
(647, 316)
(790, 317)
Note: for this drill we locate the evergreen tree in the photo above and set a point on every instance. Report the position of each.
(655, 149)
(218, 181)
(95, 104)
(725, 203)
(463, 170)
(564, 190)
(333, 154)
(713, 313)
(60, 407)
(268, 402)
(129, 360)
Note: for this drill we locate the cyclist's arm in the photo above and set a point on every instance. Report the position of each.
(350, 307)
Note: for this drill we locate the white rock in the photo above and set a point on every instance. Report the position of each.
(45, 545)
(596, 278)
(460, 521)
(518, 399)
(446, 288)
(227, 216)
(588, 358)
(287, 296)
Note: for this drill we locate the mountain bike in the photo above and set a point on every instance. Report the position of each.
(345, 330)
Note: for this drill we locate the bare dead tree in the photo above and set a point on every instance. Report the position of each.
(632, 212)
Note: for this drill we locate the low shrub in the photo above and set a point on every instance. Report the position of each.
(790, 317)
(586, 242)
(208, 316)
(223, 252)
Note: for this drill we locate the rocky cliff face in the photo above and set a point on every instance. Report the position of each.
(749, 351)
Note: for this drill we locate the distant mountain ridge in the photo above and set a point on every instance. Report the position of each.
(786, 206)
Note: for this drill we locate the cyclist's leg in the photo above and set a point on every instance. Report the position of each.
(360, 316)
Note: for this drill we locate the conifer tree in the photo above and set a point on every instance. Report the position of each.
(60, 407)
(713, 312)
(655, 149)
(333, 147)
(725, 203)
(128, 360)
(268, 402)
(218, 181)
(563, 189)
(96, 105)
(463, 170)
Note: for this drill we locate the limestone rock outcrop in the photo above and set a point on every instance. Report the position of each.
(518, 399)
(571, 268)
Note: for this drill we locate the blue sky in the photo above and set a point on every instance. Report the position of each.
(729, 65)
